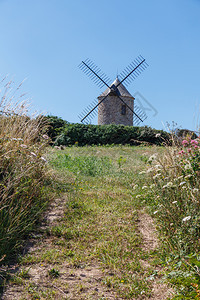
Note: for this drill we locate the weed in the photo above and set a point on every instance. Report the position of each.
(54, 273)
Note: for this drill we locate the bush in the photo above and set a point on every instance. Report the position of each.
(82, 135)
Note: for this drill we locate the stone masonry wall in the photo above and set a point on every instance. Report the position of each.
(110, 111)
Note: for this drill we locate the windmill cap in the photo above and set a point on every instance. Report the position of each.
(122, 91)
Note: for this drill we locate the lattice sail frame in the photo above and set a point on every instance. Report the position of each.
(130, 73)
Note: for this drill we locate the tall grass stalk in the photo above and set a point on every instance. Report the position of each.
(22, 171)
(173, 196)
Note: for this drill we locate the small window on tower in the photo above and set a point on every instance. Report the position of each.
(123, 109)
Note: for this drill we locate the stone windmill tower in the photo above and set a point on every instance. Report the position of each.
(113, 110)
(115, 105)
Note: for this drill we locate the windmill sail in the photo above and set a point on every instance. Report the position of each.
(115, 89)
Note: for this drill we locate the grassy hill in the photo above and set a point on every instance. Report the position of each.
(124, 226)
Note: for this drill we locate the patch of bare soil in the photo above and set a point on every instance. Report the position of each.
(160, 290)
(84, 282)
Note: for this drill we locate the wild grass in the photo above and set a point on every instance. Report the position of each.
(22, 172)
(172, 193)
(101, 215)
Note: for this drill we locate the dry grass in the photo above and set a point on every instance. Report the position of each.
(22, 171)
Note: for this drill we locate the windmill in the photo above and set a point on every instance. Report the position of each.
(115, 104)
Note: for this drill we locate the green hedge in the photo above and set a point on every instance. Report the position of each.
(81, 135)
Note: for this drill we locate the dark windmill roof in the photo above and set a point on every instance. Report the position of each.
(122, 91)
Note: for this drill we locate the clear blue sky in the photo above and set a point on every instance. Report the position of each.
(45, 40)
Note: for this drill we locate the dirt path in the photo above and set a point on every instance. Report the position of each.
(83, 282)
(160, 290)
(33, 281)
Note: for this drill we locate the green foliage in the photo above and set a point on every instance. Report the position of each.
(54, 273)
(80, 134)
(86, 165)
(172, 195)
(56, 126)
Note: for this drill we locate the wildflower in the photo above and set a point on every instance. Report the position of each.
(138, 196)
(188, 176)
(181, 152)
(155, 212)
(158, 166)
(183, 182)
(149, 170)
(157, 175)
(194, 142)
(169, 184)
(188, 166)
(158, 135)
(152, 157)
(152, 186)
(189, 150)
(185, 142)
(142, 172)
(186, 219)
(174, 202)
(45, 136)
(135, 186)
(144, 187)
(195, 190)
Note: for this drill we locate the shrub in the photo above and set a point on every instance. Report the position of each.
(108, 134)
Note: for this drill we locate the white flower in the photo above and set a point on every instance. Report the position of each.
(144, 187)
(152, 186)
(149, 170)
(183, 182)
(157, 175)
(169, 184)
(142, 172)
(158, 134)
(138, 196)
(152, 157)
(186, 219)
(187, 167)
(135, 186)
(155, 212)
(188, 176)
(174, 202)
(195, 190)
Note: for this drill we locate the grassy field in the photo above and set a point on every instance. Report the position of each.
(98, 241)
